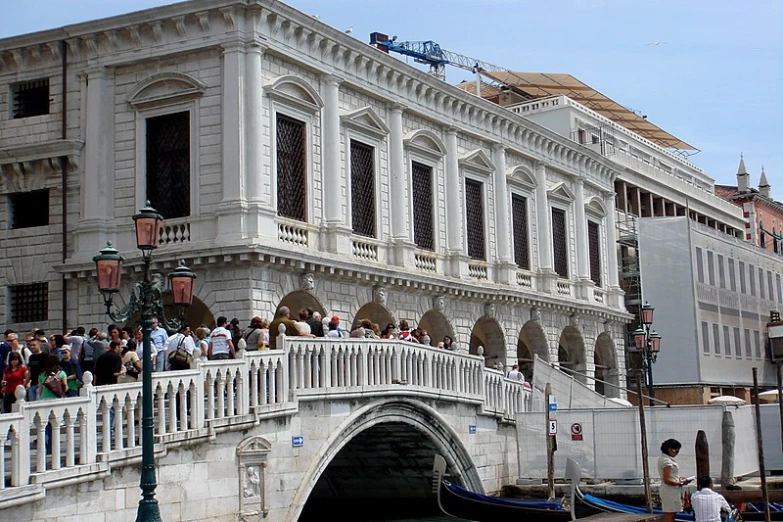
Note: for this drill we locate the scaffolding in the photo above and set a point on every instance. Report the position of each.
(630, 281)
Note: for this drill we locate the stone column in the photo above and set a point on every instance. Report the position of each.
(231, 225)
(505, 268)
(546, 272)
(613, 282)
(402, 247)
(336, 234)
(261, 213)
(582, 254)
(457, 261)
(96, 192)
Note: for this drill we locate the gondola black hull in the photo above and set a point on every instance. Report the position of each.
(463, 504)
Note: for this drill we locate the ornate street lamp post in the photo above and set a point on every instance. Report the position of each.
(647, 341)
(146, 298)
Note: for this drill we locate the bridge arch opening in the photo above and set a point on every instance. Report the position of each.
(532, 341)
(380, 461)
(487, 333)
(299, 299)
(605, 359)
(437, 326)
(375, 312)
(571, 353)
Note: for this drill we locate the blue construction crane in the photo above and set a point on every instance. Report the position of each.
(430, 53)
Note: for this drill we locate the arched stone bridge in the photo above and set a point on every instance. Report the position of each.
(278, 434)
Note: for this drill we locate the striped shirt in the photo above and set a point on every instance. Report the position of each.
(707, 505)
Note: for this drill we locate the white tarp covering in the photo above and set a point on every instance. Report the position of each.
(610, 445)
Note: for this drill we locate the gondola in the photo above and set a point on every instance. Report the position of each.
(456, 501)
(755, 511)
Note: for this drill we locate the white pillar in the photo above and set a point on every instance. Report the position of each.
(230, 222)
(543, 227)
(254, 126)
(454, 218)
(582, 256)
(611, 238)
(333, 179)
(456, 257)
(502, 221)
(97, 195)
(397, 180)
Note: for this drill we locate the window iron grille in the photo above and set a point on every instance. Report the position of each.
(521, 245)
(30, 98)
(29, 302)
(363, 189)
(560, 242)
(474, 206)
(594, 248)
(29, 209)
(168, 164)
(291, 179)
(422, 205)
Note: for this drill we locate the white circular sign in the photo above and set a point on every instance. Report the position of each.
(576, 428)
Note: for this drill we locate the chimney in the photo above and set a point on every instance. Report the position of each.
(764, 188)
(743, 178)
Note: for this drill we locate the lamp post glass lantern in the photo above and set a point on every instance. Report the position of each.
(648, 342)
(145, 298)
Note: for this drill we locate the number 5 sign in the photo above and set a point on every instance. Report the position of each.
(552, 427)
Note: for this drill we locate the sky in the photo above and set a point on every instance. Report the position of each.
(707, 71)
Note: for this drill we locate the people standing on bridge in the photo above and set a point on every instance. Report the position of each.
(73, 373)
(515, 375)
(14, 375)
(179, 349)
(35, 364)
(708, 505)
(76, 340)
(108, 367)
(159, 337)
(405, 332)
(283, 317)
(220, 345)
(254, 335)
(671, 483)
(314, 321)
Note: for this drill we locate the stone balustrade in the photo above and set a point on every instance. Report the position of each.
(81, 438)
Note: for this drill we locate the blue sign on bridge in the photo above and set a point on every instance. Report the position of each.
(297, 441)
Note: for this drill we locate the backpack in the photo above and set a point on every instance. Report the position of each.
(180, 357)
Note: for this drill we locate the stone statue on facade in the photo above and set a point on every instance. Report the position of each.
(489, 309)
(439, 303)
(379, 295)
(307, 282)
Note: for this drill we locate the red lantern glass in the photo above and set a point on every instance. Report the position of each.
(148, 223)
(639, 339)
(108, 265)
(655, 342)
(646, 314)
(182, 285)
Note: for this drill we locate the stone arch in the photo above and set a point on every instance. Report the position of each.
(595, 205)
(198, 313)
(375, 312)
(521, 175)
(532, 341)
(299, 299)
(415, 415)
(488, 333)
(437, 326)
(294, 90)
(426, 141)
(165, 88)
(571, 353)
(605, 359)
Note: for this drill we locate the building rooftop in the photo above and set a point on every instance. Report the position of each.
(541, 85)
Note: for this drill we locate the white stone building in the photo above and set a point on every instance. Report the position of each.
(297, 165)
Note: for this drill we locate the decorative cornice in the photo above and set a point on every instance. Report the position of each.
(41, 151)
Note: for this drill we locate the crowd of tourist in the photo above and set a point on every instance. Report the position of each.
(52, 367)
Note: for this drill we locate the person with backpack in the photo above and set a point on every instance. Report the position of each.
(179, 349)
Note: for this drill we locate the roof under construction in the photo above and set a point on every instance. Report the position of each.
(541, 85)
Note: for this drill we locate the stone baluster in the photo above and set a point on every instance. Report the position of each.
(255, 373)
(182, 406)
(160, 395)
(118, 438)
(272, 386)
(243, 407)
(220, 389)
(105, 426)
(131, 422)
(172, 407)
(230, 385)
(54, 442)
(20, 443)
(70, 440)
(40, 442)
